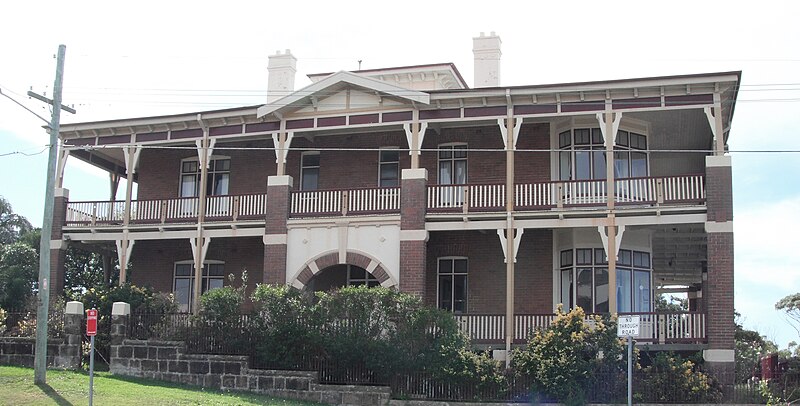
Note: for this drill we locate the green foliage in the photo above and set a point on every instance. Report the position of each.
(563, 359)
(286, 325)
(84, 269)
(19, 269)
(223, 304)
(671, 378)
(671, 304)
(791, 306)
(12, 225)
(750, 346)
(141, 299)
(382, 330)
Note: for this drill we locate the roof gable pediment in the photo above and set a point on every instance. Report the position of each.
(331, 93)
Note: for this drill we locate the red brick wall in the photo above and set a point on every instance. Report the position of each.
(533, 288)
(347, 169)
(719, 193)
(490, 167)
(153, 261)
(718, 291)
(160, 169)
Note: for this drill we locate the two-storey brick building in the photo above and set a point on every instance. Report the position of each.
(497, 203)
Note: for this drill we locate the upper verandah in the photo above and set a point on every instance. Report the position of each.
(347, 101)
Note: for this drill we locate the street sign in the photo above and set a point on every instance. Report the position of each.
(91, 322)
(628, 326)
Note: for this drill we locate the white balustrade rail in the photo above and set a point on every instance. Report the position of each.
(671, 327)
(487, 196)
(374, 200)
(636, 190)
(657, 328)
(485, 327)
(446, 196)
(316, 202)
(218, 208)
(584, 192)
(147, 211)
(684, 188)
(535, 194)
(252, 205)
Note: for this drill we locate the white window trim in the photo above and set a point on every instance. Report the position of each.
(196, 159)
(438, 273)
(380, 164)
(439, 159)
(368, 277)
(191, 262)
(574, 268)
(303, 167)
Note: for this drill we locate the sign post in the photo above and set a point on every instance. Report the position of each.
(91, 331)
(628, 326)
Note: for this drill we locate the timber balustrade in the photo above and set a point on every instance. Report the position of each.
(646, 191)
(654, 327)
(178, 210)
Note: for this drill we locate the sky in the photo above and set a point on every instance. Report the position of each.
(145, 58)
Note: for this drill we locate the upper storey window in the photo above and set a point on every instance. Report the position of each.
(217, 179)
(389, 168)
(582, 154)
(309, 171)
(453, 164)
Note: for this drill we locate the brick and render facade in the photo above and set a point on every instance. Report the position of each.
(401, 177)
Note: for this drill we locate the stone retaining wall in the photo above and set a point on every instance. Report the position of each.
(166, 361)
(19, 351)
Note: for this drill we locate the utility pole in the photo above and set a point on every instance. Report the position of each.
(40, 358)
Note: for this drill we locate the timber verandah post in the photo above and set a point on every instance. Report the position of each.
(200, 245)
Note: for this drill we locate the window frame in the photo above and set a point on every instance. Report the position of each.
(382, 163)
(204, 282)
(304, 168)
(210, 178)
(596, 264)
(452, 274)
(596, 147)
(369, 280)
(451, 146)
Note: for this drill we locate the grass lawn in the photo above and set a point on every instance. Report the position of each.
(72, 388)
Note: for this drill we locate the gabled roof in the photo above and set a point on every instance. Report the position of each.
(337, 81)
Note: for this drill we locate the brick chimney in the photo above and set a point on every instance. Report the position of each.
(282, 69)
(486, 50)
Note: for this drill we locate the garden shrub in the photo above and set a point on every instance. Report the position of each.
(572, 355)
(672, 379)
(286, 327)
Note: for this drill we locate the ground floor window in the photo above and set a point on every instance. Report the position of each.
(583, 280)
(357, 276)
(183, 286)
(452, 284)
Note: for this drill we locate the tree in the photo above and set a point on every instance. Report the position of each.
(19, 266)
(12, 225)
(671, 304)
(791, 306)
(750, 345)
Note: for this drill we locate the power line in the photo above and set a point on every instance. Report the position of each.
(25, 153)
(376, 149)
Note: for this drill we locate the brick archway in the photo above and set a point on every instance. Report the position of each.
(328, 259)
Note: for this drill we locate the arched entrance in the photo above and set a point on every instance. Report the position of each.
(339, 276)
(332, 270)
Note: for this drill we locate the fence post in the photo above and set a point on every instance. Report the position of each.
(120, 313)
(73, 334)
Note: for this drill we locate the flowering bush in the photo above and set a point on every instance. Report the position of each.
(564, 359)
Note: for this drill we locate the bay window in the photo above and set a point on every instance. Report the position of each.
(582, 154)
(583, 280)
